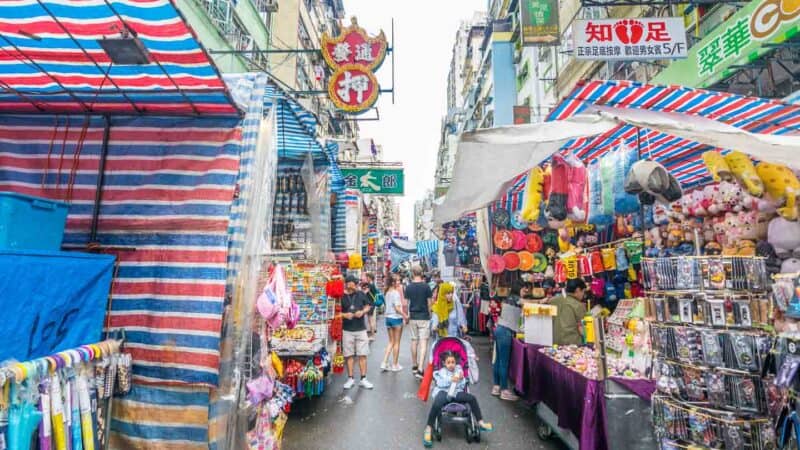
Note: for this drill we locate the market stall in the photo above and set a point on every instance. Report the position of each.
(622, 174)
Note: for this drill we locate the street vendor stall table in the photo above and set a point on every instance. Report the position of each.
(574, 406)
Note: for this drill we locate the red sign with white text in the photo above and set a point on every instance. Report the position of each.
(354, 56)
(630, 39)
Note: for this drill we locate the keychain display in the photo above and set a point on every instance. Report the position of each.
(705, 273)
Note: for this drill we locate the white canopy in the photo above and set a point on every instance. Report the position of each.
(487, 160)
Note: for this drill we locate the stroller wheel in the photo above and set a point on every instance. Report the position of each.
(468, 434)
(437, 430)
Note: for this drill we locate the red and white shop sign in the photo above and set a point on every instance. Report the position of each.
(630, 39)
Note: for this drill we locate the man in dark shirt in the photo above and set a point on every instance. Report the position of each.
(368, 281)
(420, 299)
(355, 343)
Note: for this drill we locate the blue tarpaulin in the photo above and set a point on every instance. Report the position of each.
(51, 301)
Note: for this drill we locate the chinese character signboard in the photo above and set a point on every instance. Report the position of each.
(522, 115)
(540, 22)
(380, 181)
(739, 40)
(630, 39)
(354, 56)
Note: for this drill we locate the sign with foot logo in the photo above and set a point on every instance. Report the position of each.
(630, 39)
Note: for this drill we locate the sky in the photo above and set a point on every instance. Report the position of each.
(424, 32)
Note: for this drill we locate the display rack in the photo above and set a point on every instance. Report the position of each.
(711, 349)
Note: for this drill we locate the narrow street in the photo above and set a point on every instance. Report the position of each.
(391, 416)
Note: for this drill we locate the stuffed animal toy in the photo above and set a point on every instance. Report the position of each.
(743, 169)
(752, 225)
(782, 185)
(732, 196)
(717, 166)
(791, 265)
(533, 195)
(712, 200)
(652, 178)
(784, 236)
(577, 198)
(559, 188)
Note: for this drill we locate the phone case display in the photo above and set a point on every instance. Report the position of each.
(628, 340)
(307, 283)
(711, 352)
(62, 401)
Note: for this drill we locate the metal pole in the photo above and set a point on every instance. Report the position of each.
(101, 178)
(641, 205)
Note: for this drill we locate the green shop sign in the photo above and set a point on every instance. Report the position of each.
(539, 22)
(738, 40)
(381, 181)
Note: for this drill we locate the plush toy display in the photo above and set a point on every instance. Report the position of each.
(652, 178)
(577, 201)
(716, 165)
(782, 185)
(743, 169)
(533, 194)
(784, 236)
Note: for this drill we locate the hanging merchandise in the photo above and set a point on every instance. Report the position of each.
(743, 169)
(598, 215)
(578, 183)
(355, 261)
(559, 190)
(65, 396)
(534, 187)
(624, 158)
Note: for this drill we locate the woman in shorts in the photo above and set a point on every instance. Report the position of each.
(395, 316)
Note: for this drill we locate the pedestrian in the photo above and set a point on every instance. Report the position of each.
(395, 317)
(420, 298)
(567, 326)
(444, 392)
(448, 318)
(368, 280)
(355, 343)
(504, 335)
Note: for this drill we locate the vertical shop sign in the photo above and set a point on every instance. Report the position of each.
(353, 56)
(642, 38)
(540, 22)
(522, 115)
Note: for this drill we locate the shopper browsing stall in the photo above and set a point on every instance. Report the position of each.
(355, 342)
(504, 332)
(567, 327)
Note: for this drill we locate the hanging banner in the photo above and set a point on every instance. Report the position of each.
(738, 40)
(540, 22)
(51, 301)
(380, 181)
(354, 56)
(644, 38)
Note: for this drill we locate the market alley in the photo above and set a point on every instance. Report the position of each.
(391, 416)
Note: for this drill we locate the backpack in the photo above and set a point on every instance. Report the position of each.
(379, 300)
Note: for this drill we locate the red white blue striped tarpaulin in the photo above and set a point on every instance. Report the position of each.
(51, 60)
(680, 156)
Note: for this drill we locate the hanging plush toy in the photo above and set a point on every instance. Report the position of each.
(782, 185)
(716, 165)
(559, 188)
(533, 195)
(624, 158)
(744, 171)
(577, 201)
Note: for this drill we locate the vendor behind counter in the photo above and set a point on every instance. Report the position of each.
(567, 326)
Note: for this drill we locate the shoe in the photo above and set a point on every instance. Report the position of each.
(508, 395)
(427, 439)
(364, 383)
(413, 369)
(372, 338)
(496, 391)
(418, 374)
(349, 383)
(385, 367)
(396, 368)
(486, 426)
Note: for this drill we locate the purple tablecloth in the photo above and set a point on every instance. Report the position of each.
(577, 401)
(642, 388)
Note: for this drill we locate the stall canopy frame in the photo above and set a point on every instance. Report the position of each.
(681, 157)
(52, 61)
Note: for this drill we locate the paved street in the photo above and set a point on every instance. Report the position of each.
(391, 416)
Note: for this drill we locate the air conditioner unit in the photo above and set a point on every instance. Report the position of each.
(271, 5)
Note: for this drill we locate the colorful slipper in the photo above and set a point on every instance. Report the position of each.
(487, 427)
(427, 439)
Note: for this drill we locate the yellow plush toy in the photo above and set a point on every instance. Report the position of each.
(744, 170)
(782, 185)
(717, 166)
(533, 195)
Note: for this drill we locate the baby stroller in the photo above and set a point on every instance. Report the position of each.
(457, 412)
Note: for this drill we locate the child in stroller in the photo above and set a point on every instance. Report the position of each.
(451, 399)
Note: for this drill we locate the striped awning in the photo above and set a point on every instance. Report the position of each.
(52, 60)
(680, 156)
(427, 247)
(296, 129)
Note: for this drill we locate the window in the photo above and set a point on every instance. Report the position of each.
(302, 36)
